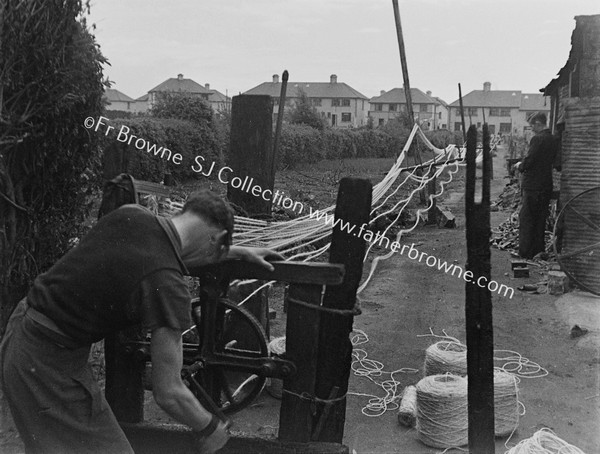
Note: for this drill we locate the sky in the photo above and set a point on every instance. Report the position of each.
(234, 45)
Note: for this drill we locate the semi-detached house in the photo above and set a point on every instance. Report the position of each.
(428, 111)
(337, 102)
(505, 111)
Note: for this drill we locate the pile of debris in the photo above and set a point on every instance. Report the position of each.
(506, 236)
(510, 197)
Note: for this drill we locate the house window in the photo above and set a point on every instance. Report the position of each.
(505, 128)
(316, 102)
(423, 108)
(378, 107)
(381, 121)
(473, 111)
(457, 126)
(494, 112)
(346, 116)
(439, 115)
(393, 107)
(458, 113)
(505, 113)
(335, 102)
(345, 103)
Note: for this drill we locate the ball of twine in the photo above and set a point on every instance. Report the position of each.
(544, 441)
(407, 413)
(275, 385)
(446, 356)
(506, 403)
(442, 411)
(277, 346)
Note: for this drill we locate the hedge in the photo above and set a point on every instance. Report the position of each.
(179, 136)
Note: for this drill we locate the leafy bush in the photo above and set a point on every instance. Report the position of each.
(50, 81)
(179, 136)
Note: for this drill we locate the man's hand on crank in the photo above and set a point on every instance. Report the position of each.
(207, 442)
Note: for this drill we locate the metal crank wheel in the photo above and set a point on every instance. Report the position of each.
(577, 239)
(222, 368)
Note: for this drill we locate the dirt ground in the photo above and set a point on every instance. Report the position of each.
(407, 299)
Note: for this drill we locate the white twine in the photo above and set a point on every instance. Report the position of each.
(450, 355)
(544, 441)
(506, 403)
(277, 346)
(442, 411)
(368, 368)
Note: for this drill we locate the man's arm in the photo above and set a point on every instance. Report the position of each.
(175, 398)
(168, 388)
(534, 154)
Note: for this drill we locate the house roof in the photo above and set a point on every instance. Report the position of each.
(533, 101)
(217, 96)
(491, 98)
(113, 95)
(180, 84)
(396, 95)
(143, 98)
(312, 90)
(441, 101)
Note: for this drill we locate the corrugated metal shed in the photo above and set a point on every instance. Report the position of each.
(580, 173)
(576, 118)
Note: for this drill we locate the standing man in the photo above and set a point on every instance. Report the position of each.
(536, 187)
(129, 269)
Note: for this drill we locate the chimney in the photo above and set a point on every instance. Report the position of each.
(381, 92)
(487, 86)
(207, 86)
(428, 92)
(275, 78)
(179, 76)
(333, 79)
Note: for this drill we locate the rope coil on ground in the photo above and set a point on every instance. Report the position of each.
(447, 356)
(442, 411)
(544, 441)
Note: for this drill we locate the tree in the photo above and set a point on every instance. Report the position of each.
(50, 81)
(182, 106)
(303, 112)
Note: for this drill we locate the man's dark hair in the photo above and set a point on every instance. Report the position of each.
(212, 208)
(537, 117)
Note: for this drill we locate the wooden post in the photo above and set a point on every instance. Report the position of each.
(432, 214)
(478, 306)
(302, 332)
(253, 162)
(280, 112)
(251, 156)
(335, 349)
(462, 113)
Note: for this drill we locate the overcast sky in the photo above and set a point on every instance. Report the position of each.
(237, 44)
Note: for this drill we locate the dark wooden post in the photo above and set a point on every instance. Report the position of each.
(253, 163)
(302, 334)
(478, 305)
(462, 113)
(335, 349)
(251, 156)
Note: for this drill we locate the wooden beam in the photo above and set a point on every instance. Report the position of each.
(478, 305)
(335, 350)
(290, 272)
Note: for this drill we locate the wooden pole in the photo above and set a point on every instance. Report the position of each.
(280, 111)
(407, 93)
(335, 349)
(462, 113)
(478, 306)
